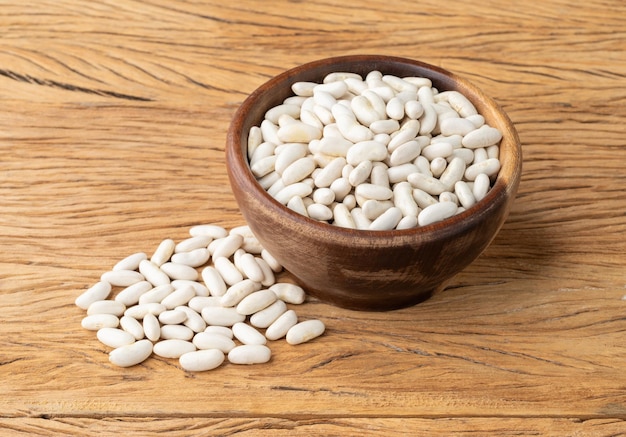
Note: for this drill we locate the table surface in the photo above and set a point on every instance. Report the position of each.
(113, 118)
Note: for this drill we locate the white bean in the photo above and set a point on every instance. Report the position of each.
(106, 307)
(197, 303)
(153, 273)
(192, 243)
(453, 173)
(387, 221)
(268, 274)
(132, 354)
(480, 154)
(213, 231)
(299, 189)
(364, 109)
(132, 326)
(348, 126)
(178, 332)
(428, 120)
(151, 327)
(341, 187)
(139, 311)
(163, 252)
(179, 271)
(325, 196)
(437, 150)
(221, 330)
(372, 209)
(305, 331)
(366, 150)
(156, 295)
(289, 293)
(255, 137)
(256, 301)
(403, 199)
(192, 258)
(264, 150)
(114, 337)
(288, 155)
(173, 348)
(250, 354)
(213, 281)
(99, 291)
(489, 167)
(95, 322)
(319, 212)
(273, 114)
(484, 136)
(225, 247)
(247, 334)
(271, 261)
(461, 104)
(405, 153)
(178, 297)
(194, 320)
(360, 173)
(227, 270)
(221, 316)
(401, 172)
(210, 340)
(438, 166)
(200, 289)
(238, 291)
(359, 218)
(298, 132)
(263, 166)
(200, 361)
(375, 192)
(384, 127)
(329, 173)
(407, 222)
(467, 155)
(342, 216)
(131, 262)
(298, 170)
(422, 198)
(122, 278)
(481, 186)
(267, 316)
(408, 132)
(379, 175)
(426, 183)
(436, 212)
(456, 126)
(303, 88)
(464, 194)
(172, 317)
(131, 294)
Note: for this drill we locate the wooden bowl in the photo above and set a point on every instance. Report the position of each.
(370, 270)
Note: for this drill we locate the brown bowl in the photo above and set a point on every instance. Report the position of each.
(370, 270)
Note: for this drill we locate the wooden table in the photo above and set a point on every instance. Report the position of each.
(113, 117)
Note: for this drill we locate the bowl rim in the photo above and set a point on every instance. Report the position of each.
(501, 189)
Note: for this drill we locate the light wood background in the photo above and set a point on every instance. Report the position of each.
(113, 116)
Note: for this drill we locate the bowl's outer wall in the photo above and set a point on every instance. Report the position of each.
(360, 269)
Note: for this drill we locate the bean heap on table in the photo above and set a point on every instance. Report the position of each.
(208, 298)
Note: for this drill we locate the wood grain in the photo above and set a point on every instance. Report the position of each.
(113, 118)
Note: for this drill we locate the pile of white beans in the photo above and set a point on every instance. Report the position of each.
(378, 153)
(208, 298)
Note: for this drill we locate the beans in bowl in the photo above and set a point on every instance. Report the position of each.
(375, 153)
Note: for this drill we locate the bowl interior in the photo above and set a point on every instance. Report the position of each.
(277, 89)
